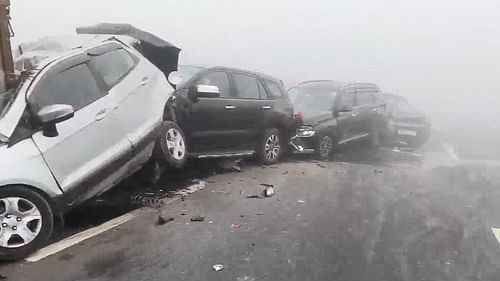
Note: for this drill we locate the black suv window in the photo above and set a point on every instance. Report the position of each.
(218, 79)
(113, 66)
(246, 86)
(364, 98)
(75, 86)
(262, 91)
(347, 99)
(274, 88)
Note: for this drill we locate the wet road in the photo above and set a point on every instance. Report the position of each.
(377, 217)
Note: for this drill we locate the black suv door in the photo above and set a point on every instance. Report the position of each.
(210, 123)
(248, 104)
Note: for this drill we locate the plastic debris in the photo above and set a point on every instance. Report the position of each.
(218, 267)
(235, 226)
(301, 201)
(320, 165)
(198, 218)
(254, 197)
(268, 192)
(161, 220)
(267, 185)
(245, 278)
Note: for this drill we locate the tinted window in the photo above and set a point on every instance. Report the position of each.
(347, 99)
(218, 79)
(246, 86)
(113, 66)
(274, 88)
(365, 98)
(75, 86)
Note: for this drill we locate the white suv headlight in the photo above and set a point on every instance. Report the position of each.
(305, 131)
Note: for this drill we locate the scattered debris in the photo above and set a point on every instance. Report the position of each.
(161, 220)
(198, 218)
(230, 165)
(245, 278)
(218, 267)
(268, 192)
(301, 201)
(242, 216)
(267, 185)
(235, 226)
(197, 185)
(260, 214)
(254, 197)
(148, 199)
(210, 222)
(3, 277)
(285, 173)
(321, 165)
(378, 171)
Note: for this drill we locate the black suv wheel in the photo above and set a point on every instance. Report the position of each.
(270, 147)
(171, 146)
(324, 147)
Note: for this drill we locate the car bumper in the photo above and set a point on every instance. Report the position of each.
(301, 143)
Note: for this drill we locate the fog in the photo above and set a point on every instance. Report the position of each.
(442, 55)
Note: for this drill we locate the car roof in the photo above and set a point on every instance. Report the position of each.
(232, 69)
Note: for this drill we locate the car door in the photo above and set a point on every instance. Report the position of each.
(130, 82)
(367, 111)
(86, 155)
(210, 122)
(250, 109)
(348, 121)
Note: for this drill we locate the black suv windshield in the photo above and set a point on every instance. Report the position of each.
(314, 99)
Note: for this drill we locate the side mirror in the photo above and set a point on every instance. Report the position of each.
(175, 78)
(50, 115)
(207, 91)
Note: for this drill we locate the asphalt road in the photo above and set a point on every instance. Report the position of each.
(364, 216)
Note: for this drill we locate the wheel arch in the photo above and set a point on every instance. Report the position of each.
(57, 208)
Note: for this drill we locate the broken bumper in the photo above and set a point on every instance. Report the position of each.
(304, 140)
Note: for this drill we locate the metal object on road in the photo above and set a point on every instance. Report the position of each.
(198, 218)
(268, 192)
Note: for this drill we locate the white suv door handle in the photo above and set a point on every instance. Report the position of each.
(144, 81)
(266, 107)
(101, 114)
(230, 107)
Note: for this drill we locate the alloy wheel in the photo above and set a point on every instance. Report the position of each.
(175, 144)
(20, 222)
(325, 146)
(272, 147)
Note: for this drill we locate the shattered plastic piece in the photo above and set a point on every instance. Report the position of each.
(267, 185)
(254, 197)
(236, 168)
(218, 267)
(235, 226)
(210, 222)
(198, 218)
(321, 165)
(378, 171)
(245, 278)
(161, 220)
(285, 173)
(3, 277)
(301, 201)
(269, 192)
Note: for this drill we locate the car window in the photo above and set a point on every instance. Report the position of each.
(365, 98)
(262, 91)
(218, 79)
(274, 88)
(347, 99)
(113, 66)
(75, 86)
(246, 86)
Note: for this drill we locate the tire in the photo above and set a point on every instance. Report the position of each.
(270, 147)
(14, 248)
(171, 148)
(324, 147)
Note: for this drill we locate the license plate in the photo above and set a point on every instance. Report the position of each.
(407, 133)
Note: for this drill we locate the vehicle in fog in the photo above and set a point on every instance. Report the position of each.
(77, 124)
(229, 112)
(330, 114)
(406, 126)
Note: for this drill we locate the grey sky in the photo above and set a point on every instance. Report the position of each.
(443, 51)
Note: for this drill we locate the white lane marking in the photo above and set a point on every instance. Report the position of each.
(79, 237)
(496, 232)
(451, 151)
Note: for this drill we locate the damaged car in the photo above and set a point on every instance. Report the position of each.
(330, 114)
(77, 124)
(227, 112)
(406, 126)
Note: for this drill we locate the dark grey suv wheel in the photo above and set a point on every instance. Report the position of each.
(270, 148)
(324, 148)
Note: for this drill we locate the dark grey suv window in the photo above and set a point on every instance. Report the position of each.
(347, 99)
(364, 98)
(113, 66)
(274, 88)
(246, 86)
(218, 79)
(75, 86)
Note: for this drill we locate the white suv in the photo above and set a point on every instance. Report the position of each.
(74, 127)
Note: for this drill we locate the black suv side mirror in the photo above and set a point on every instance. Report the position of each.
(50, 115)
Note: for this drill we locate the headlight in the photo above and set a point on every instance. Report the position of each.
(306, 131)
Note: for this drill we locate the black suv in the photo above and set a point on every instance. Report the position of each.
(332, 113)
(227, 112)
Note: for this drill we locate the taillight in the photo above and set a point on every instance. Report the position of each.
(299, 118)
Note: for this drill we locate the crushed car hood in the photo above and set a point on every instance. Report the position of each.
(161, 53)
